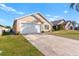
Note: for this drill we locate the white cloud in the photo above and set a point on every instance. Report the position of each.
(48, 15)
(55, 18)
(9, 9)
(52, 18)
(2, 20)
(65, 11)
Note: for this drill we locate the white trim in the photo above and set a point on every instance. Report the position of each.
(29, 32)
(26, 15)
(68, 25)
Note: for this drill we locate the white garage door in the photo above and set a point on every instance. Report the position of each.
(27, 28)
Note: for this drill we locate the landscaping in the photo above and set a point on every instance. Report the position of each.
(16, 45)
(73, 34)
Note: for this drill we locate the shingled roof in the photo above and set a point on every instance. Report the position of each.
(54, 23)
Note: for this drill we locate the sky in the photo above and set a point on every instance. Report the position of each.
(51, 11)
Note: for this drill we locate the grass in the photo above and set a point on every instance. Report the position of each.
(73, 34)
(16, 45)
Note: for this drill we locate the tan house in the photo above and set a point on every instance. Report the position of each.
(69, 26)
(62, 25)
(34, 23)
(58, 24)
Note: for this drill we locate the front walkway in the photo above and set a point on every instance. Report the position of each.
(51, 45)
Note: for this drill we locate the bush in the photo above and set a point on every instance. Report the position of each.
(42, 31)
(6, 33)
(18, 33)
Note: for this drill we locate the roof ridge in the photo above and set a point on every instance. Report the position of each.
(26, 15)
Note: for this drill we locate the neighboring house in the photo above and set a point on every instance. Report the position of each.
(62, 25)
(69, 25)
(4, 28)
(34, 23)
(58, 24)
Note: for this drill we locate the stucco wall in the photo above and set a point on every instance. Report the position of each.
(44, 23)
(68, 25)
(30, 19)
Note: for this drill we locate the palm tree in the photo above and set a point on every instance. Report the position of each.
(75, 6)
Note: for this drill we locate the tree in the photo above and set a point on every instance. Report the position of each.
(75, 6)
(7, 26)
(74, 23)
(77, 24)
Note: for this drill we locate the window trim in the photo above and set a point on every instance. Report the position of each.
(47, 27)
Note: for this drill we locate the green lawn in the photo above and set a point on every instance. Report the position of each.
(67, 33)
(16, 45)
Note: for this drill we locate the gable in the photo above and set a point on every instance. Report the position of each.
(37, 19)
(61, 22)
(29, 19)
(68, 24)
(3, 28)
(42, 18)
(34, 18)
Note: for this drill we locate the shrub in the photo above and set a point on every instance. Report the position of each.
(18, 33)
(42, 31)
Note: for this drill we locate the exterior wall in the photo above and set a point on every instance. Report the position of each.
(2, 28)
(44, 23)
(28, 19)
(61, 25)
(31, 19)
(43, 27)
(14, 28)
(5, 29)
(68, 26)
(62, 22)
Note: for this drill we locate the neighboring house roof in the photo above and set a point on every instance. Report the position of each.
(33, 15)
(68, 23)
(3, 28)
(57, 22)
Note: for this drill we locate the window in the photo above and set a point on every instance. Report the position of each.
(46, 26)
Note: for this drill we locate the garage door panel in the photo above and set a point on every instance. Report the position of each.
(30, 28)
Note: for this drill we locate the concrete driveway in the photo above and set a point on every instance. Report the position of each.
(51, 45)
